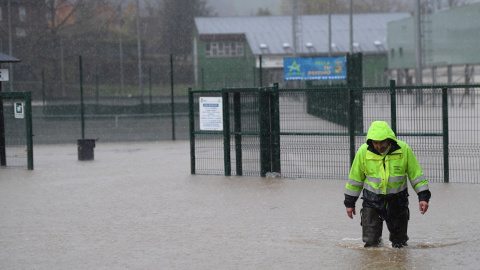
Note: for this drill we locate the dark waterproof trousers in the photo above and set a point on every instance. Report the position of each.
(372, 225)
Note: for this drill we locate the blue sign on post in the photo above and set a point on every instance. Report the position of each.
(317, 68)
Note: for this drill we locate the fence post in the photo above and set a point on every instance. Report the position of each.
(28, 123)
(172, 103)
(446, 169)
(191, 125)
(3, 153)
(260, 70)
(393, 106)
(226, 134)
(275, 116)
(264, 123)
(203, 79)
(351, 124)
(354, 111)
(237, 110)
(43, 88)
(150, 87)
(82, 112)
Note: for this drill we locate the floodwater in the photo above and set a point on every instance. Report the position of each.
(136, 206)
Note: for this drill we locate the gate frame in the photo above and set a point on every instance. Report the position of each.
(268, 123)
(27, 97)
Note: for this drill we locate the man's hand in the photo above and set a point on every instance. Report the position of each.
(351, 212)
(423, 205)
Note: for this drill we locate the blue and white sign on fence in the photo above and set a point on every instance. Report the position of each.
(211, 114)
(314, 68)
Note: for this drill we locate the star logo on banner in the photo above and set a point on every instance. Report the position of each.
(295, 66)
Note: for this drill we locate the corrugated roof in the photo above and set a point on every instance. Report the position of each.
(274, 31)
(5, 58)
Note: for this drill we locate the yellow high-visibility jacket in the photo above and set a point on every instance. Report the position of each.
(383, 178)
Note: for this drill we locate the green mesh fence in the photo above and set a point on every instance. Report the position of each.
(440, 123)
(207, 148)
(244, 141)
(118, 106)
(464, 131)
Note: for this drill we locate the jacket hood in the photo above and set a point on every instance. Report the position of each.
(379, 131)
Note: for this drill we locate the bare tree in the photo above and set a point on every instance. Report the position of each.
(62, 17)
(177, 23)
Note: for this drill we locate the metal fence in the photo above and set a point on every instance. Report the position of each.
(111, 120)
(440, 123)
(118, 107)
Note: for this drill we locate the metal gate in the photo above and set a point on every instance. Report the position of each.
(250, 131)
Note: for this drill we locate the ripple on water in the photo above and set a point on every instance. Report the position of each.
(356, 243)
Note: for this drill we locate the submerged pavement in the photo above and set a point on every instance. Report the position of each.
(136, 206)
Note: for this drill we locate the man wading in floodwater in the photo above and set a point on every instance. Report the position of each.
(380, 168)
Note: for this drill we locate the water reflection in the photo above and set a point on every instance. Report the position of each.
(387, 257)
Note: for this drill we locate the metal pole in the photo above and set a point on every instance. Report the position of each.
(260, 70)
(351, 124)
(191, 125)
(351, 26)
(28, 123)
(203, 80)
(139, 53)
(275, 123)
(329, 27)
(62, 68)
(81, 97)
(226, 135)
(172, 103)
(3, 154)
(122, 84)
(446, 169)
(294, 28)
(237, 126)
(264, 124)
(96, 86)
(43, 87)
(10, 44)
(150, 86)
(393, 106)
(418, 44)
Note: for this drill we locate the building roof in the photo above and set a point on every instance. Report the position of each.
(273, 34)
(4, 58)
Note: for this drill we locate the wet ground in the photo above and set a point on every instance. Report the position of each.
(136, 206)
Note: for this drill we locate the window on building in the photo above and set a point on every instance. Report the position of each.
(223, 48)
(1, 14)
(22, 14)
(20, 32)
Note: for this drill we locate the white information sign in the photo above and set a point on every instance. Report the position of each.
(4, 75)
(19, 109)
(211, 115)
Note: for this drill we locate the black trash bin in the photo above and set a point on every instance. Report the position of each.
(85, 149)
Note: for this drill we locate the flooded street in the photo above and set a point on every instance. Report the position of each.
(136, 206)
